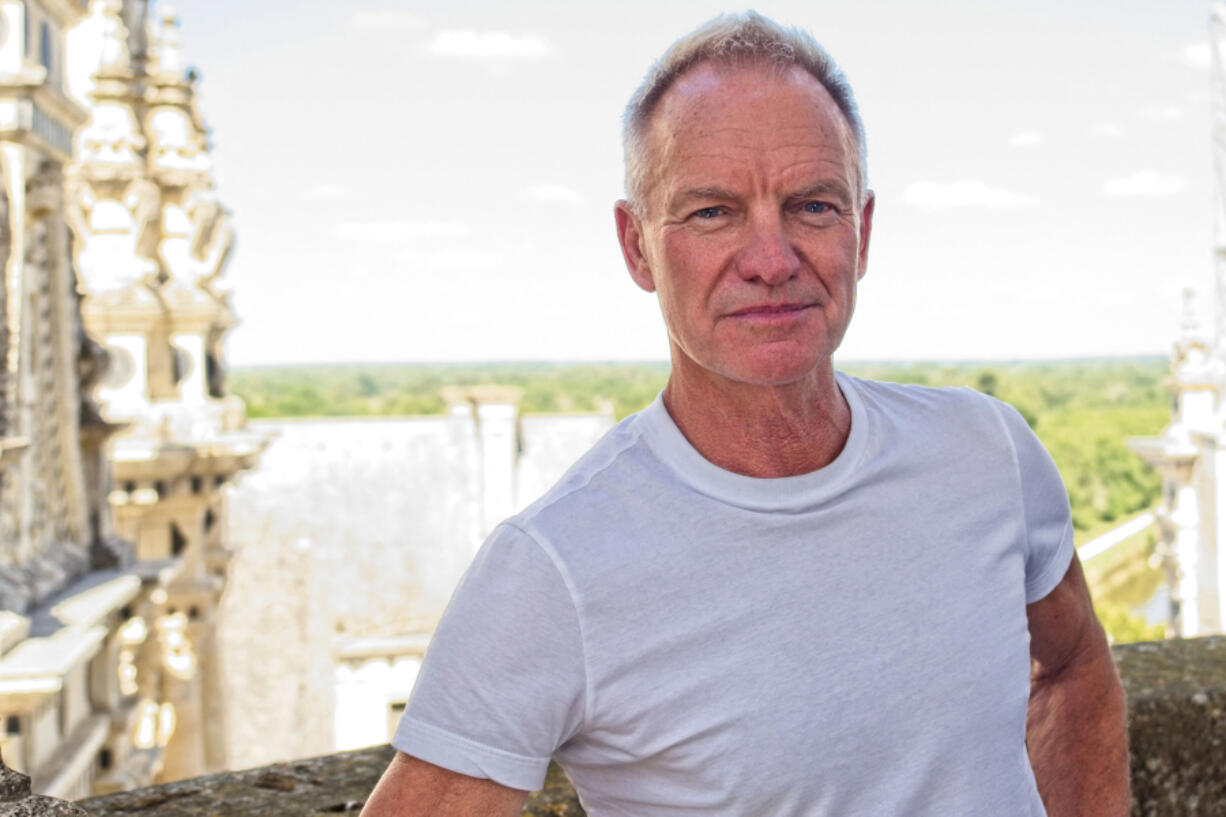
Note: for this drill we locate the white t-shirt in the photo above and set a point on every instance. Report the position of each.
(686, 640)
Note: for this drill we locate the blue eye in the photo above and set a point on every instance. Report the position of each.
(709, 212)
(817, 207)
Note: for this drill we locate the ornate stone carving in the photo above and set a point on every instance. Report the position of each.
(136, 23)
(115, 57)
(114, 238)
(166, 60)
(210, 242)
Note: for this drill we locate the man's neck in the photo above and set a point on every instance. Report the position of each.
(760, 431)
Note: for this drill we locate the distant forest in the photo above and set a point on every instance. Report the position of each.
(1083, 411)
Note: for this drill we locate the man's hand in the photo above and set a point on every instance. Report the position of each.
(414, 788)
(1076, 726)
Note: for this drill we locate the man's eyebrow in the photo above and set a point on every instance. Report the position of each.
(718, 193)
(823, 188)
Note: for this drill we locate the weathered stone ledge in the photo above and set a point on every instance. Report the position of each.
(17, 801)
(1177, 725)
(315, 787)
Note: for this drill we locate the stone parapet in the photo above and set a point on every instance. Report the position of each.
(333, 784)
(17, 801)
(1177, 725)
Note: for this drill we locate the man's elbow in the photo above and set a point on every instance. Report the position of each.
(411, 787)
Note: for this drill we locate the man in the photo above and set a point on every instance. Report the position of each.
(778, 590)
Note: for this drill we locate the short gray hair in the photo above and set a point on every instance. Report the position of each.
(733, 40)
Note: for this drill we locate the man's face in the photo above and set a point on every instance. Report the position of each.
(751, 229)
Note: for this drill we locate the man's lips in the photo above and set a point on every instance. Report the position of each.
(769, 310)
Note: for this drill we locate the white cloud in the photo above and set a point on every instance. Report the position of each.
(1144, 183)
(451, 261)
(964, 194)
(1025, 139)
(325, 191)
(389, 20)
(552, 193)
(491, 45)
(1111, 130)
(1161, 113)
(1197, 55)
(397, 231)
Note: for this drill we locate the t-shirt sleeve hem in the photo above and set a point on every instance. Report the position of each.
(1045, 582)
(459, 754)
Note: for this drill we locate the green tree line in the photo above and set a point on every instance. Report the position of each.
(1083, 411)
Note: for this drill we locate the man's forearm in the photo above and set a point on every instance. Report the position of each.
(1077, 735)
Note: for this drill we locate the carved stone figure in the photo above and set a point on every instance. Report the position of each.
(175, 146)
(115, 57)
(167, 57)
(115, 236)
(210, 242)
(112, 139)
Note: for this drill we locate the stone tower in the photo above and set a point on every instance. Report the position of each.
(117, 438)
(66, 583)
(152, 241)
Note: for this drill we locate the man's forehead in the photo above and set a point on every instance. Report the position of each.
(709, 90)
(753, 106)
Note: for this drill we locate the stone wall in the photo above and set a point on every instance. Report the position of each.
(1177, 727)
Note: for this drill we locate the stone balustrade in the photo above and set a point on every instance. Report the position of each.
(1177, 726)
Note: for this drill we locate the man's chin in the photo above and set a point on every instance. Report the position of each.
(774, 369)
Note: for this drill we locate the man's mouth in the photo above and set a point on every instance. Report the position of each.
(767, 310)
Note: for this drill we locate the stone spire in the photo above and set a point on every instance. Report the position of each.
(166, 64)
(1194, 375)
(111, 144)
(115, 58)
(1217, 43)
(1190, 326)
(136, 20)
(178, 143)
(111, 207)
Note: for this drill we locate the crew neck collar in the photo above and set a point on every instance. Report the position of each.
(795, 493)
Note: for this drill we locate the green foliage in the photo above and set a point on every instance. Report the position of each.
(1124, 627)
(1083, 411)
(1123, 579)
(414, 389)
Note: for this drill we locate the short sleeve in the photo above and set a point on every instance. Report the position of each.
(503, 681)
(1049, 523)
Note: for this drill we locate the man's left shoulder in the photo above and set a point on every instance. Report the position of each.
(944, 403)
(948, 417)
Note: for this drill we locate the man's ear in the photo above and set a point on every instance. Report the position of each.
(866, 231)
(630, 237)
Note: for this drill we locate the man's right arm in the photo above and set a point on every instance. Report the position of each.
(414, 788)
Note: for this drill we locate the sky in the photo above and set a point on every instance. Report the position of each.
(435, 182)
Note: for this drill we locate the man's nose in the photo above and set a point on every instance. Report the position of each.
(768, 254)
